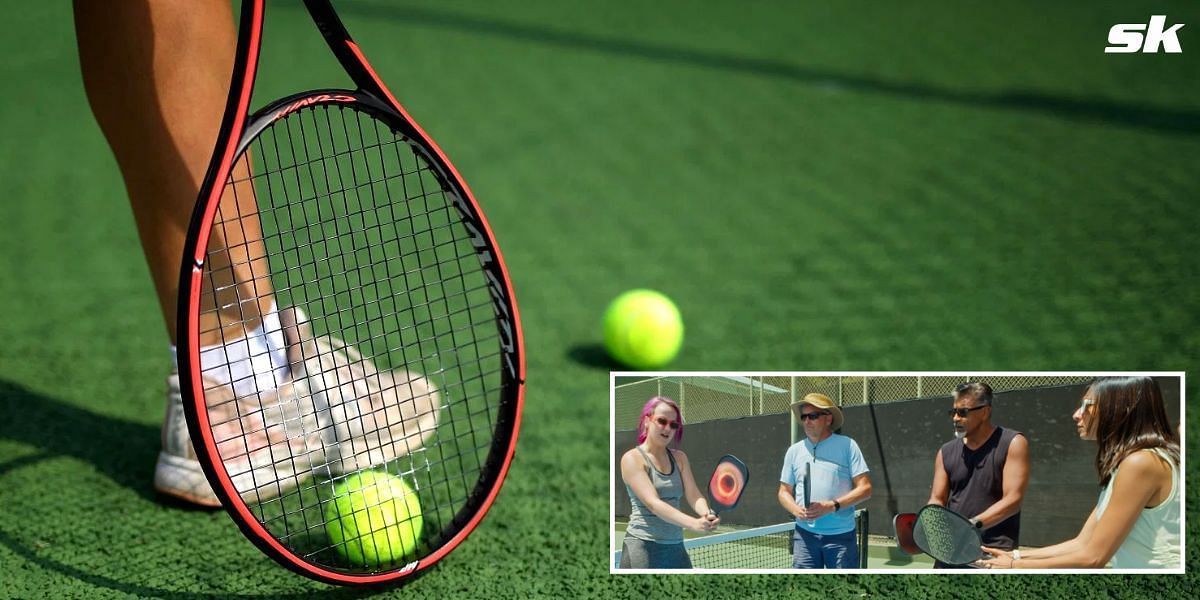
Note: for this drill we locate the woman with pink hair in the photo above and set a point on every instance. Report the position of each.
(657, 479)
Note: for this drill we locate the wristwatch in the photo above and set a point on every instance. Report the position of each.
(977, 523)
(837, 506)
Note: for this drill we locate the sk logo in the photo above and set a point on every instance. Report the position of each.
(1127, 37)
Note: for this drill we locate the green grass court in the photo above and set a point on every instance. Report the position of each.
(819, 186)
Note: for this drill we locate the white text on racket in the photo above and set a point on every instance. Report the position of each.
(495, 286)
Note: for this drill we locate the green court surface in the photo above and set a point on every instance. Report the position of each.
(819, 186)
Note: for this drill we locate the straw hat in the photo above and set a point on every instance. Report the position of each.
(822, 402)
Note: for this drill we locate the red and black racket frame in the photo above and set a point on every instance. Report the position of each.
(236, 133)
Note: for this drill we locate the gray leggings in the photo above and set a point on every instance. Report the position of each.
(640, 554)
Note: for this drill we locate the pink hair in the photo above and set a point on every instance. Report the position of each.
(648, 410)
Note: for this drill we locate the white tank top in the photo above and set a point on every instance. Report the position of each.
(1153, 543)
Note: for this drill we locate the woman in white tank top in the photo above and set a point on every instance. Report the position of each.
(1136, 522)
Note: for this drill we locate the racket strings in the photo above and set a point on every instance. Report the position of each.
(221, 415)
(327, 156)
(355, 227)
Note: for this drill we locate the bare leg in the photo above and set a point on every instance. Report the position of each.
(157, 75)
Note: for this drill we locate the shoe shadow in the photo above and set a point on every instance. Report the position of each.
(121, 450)
(56, 428)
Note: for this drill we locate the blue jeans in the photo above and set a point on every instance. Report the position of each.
(830, 551)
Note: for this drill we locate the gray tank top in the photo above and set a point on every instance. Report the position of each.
(643, 523)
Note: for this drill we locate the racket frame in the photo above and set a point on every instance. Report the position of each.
(238, 129)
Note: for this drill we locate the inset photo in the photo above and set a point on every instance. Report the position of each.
(941, 472)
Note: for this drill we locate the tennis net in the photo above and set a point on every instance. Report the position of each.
(768, 547)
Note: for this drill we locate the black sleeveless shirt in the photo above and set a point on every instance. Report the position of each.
(977, 482)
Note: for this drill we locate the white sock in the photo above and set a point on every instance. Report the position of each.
(252, 364)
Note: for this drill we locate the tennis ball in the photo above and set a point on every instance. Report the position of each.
(374, 519)
(643, 329)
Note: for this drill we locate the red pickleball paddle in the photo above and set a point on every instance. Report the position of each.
(728, 482)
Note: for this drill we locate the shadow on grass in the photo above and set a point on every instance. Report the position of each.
(123, 451)
(593, 355)
(1176, 121)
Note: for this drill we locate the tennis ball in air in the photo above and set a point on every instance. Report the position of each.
(643, 329)
(374, 519)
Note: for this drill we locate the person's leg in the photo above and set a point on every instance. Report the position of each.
(806, 550)
(669, 556)
(157, 75)
(840, 550)
(634, 554)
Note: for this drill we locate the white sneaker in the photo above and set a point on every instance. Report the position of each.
(337, 414)
(177, 472)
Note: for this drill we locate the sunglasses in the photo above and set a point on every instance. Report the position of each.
(662, 422)
(812, 416)
(963, 412)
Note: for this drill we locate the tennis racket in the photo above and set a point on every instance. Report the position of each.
(947, 536)
(902, 528)
(334, 210)
(727, 484)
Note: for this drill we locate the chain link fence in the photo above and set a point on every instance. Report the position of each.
(711, 398)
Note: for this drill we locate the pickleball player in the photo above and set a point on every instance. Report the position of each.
(658, 480)
(824, 537)
(982, 473)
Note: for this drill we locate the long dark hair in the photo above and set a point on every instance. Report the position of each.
(1130, 416)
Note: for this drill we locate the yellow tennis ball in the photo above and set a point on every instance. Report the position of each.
(374, 519)
(643, 329)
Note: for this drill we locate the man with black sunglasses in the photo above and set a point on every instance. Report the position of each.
(824, 476)
(982, 473)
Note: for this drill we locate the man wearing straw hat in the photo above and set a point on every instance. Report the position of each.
(824, 476)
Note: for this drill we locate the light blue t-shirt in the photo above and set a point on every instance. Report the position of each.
(833, 464)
